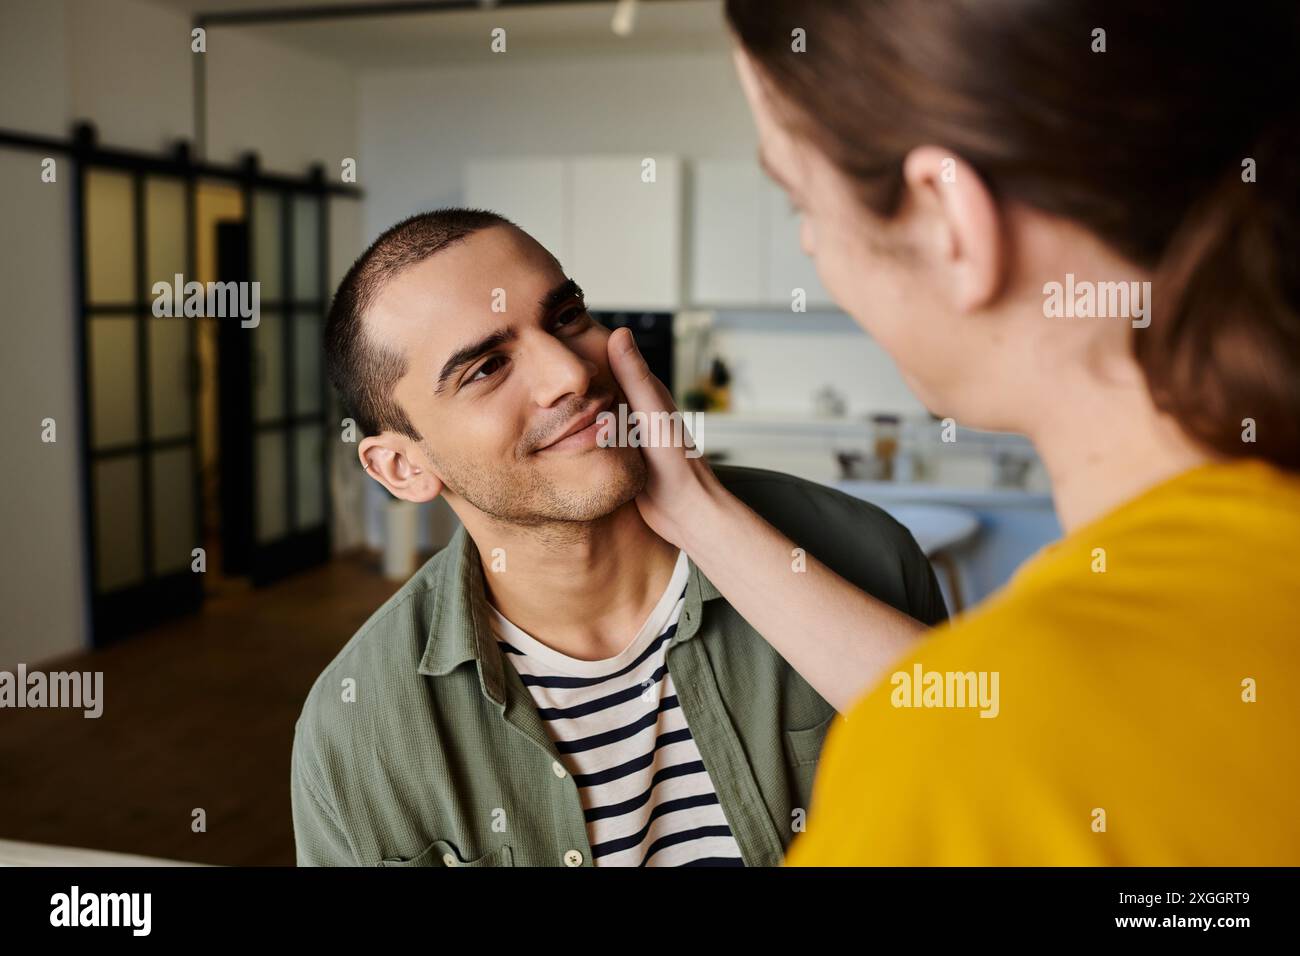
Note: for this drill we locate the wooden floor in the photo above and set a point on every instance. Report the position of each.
(198, 713)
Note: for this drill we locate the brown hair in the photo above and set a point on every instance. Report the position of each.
(361, 370)
(1145, 144)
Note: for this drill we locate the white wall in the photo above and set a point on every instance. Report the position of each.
(42, 574)
(347, 480)
(295, 109)
(42, 601)
(34, 92)
(125, 65)
(130, 72)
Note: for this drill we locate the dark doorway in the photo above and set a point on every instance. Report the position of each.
(273, 400)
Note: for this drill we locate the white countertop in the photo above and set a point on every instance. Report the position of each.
(918, 491)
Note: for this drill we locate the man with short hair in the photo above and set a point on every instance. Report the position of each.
(558, 686)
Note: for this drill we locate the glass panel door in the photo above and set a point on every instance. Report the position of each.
(273, 382)
(142, 491)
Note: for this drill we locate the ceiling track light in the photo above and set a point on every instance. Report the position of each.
(624, 18)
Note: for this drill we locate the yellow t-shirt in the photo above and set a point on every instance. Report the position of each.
(1145, 711)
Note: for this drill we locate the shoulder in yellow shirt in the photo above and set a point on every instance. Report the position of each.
(1140, 686)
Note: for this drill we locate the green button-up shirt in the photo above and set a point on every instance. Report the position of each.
(420, 746)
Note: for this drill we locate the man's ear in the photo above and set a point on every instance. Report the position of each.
(387, 458)
(965, 220)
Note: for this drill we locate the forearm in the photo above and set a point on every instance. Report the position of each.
(840, 639)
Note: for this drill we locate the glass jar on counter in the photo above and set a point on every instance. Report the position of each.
(885, 433)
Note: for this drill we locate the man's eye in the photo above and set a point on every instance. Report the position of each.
(572, 317)
(487, 368)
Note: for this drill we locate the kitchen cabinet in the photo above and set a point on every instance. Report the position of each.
(627, 233)
(623, 238)
(617, 235)
(727, 240)
(786, 266)
(744, 242)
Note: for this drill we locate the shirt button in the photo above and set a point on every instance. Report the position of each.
(573, 858)
(559, 770)
(448, 860)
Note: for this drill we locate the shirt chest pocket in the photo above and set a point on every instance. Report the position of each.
(442, 853)
(804, 747)
(802, 750)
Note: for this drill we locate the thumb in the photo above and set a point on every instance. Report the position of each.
(644, 392)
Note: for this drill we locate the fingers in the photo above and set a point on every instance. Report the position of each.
(644, 392)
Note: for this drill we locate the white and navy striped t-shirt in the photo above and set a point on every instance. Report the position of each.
(621, 733)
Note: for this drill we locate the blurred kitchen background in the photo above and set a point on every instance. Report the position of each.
(175, 434)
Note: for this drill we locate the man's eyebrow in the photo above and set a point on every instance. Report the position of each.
(468, 353)
(568, 289)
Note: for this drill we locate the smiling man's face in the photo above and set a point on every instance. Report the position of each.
(504, 368)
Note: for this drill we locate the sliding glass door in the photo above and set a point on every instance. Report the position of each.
(139, 437)
(274, 393)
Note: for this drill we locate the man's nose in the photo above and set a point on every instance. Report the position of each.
(558, 371)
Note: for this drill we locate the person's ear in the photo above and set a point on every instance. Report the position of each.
(387, 458)
(962, 229)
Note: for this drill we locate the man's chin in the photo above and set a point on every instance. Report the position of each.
(603, 479)
(601, 467)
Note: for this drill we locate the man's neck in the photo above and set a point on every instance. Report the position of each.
(581, 588)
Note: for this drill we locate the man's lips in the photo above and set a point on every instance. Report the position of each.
(579, 423)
